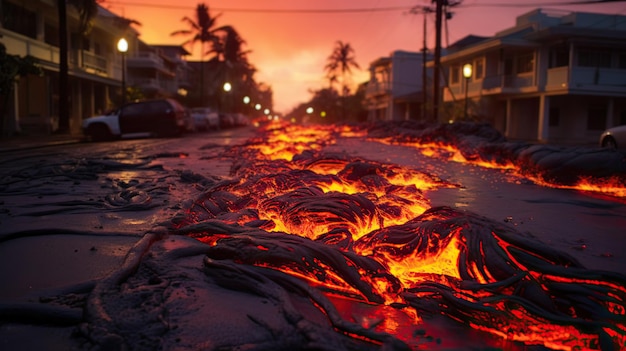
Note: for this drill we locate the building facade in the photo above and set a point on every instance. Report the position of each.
(394, 91)
(159, 70)
(554, 77)
(95, 66)
(97, 69)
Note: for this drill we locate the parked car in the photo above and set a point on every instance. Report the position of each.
(160, 117)
(614, 138)
(204, 118)
(190, 124)
(241, 120)
(226, 120)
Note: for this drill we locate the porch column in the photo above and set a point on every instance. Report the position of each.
(610, 110)
(543, 125)
(508, 119)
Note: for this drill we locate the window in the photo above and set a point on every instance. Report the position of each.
(559, 56)
(479, 68)
(621, 60)
(590, 57)
(525, 63)
(508, 66)
(455, 74)
(596, 118)
(51, 35)
(18, 19)
(554, 117)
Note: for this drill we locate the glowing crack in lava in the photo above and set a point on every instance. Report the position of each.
(365, 231)
(585, 169)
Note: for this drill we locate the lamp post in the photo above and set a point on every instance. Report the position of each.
(467, 74)
(122, 46)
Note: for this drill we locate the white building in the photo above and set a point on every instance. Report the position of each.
(394, 91)
(95, 65)
(553, 77)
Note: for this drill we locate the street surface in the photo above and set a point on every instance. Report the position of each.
(70, 214)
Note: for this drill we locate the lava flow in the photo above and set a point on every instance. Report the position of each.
(364, 232)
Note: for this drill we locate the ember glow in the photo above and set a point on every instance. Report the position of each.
(363, 233)
(576, 170)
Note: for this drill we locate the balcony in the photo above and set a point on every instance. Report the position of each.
(586, 78)
(94, 62)
(375, 88)
(146, 59)
(499, 84)
(17, 44)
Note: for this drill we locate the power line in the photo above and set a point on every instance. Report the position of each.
(260, 10)
(362, 9)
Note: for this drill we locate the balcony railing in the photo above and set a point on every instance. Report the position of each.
(586, 78)
(377, 88)
(146, 59)
(93, 61)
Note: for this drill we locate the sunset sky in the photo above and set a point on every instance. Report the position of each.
(290, 48)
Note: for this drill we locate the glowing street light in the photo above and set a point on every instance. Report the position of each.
(266, 111)
(309, 110)
(246, 99)
(257, 107)
(467, 74)
(122, 46)
(227, 87)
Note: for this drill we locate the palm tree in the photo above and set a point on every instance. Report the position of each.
(340, 61)
(201, 29)
(87, 9)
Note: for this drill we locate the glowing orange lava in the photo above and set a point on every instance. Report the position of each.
(364, 231)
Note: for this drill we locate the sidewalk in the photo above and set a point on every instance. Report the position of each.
(22, 142)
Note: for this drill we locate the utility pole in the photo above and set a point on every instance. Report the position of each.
(425, 12)
(437, 58)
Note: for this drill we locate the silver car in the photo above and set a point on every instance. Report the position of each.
(614, 138)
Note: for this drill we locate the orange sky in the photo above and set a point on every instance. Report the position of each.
(290, 49)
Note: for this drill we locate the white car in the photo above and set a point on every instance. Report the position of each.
(162, 117)
(614, 138)
(204, 118)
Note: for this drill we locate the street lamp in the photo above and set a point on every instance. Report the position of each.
(246, 100)
(122, 46)
(227, 87)
(467, 74)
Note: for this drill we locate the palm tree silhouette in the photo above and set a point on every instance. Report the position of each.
(201, 29)
(87, 9)
(340, 62)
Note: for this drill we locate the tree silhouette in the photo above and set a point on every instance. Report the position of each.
(201, 29)
(87, 10)
(340, 62)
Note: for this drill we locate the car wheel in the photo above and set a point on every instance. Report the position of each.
(99, 132)
(609, 143)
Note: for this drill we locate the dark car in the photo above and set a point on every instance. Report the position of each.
(160, 117)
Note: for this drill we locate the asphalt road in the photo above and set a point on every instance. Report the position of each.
(70, 213)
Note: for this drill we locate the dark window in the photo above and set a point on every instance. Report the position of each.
(18, 19)
(51, 35)
(554, 116)
(621, 60)
(508, 66)
(479, 69)
(455, 73)
(559, 57)
(594, 58)
(596, 118)
(525, 63)
(134, 109)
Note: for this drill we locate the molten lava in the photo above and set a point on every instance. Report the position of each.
(364, 231)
